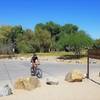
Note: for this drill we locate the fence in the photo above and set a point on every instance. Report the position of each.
(92, 53)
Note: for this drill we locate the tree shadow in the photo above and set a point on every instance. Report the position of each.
(66, 57)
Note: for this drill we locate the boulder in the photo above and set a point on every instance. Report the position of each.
(74, 76)
(19, 84)
(27, 83)
(31, 83)
(5, 91)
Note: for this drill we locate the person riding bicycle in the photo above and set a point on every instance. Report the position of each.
(34, 70)
(35, 62)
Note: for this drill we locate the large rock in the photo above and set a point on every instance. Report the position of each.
(27, 83)
(74, 76)
(5, 91)
(19, 84)
(31, 83)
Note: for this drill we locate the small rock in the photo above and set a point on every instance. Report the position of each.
(52, 81)
(5, 91)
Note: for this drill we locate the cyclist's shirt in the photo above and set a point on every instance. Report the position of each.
(33, 60)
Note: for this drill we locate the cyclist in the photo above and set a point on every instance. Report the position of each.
(35, 62)
(35, 71)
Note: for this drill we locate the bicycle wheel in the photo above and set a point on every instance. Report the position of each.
(39, 73)
(32, 72)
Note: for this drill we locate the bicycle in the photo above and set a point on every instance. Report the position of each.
(36, 72)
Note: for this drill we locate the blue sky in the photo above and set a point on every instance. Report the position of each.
(84, 13)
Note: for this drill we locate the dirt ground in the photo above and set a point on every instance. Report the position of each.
(86, 90)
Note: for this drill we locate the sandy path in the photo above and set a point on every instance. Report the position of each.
(85, 90)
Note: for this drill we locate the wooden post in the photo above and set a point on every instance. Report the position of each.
(88, 65)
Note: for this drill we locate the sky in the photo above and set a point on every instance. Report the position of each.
(28, 13)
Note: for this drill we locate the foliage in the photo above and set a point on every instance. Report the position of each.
(75, 42)
(69, 28)
(97, 43)
(23, 41)
(5, 42)
(46, 37)
(43, 40)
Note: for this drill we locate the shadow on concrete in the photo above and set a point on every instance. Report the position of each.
(94, 81)
(65, 57)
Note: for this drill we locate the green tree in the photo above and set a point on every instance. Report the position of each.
(53, 28)
(5, 43)
(39, 27)
(43, 39)
(97, 43)
(5, 31)
(69, 28)
(53, 31)
(76, 42)
(24, 41)
(16, 32)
